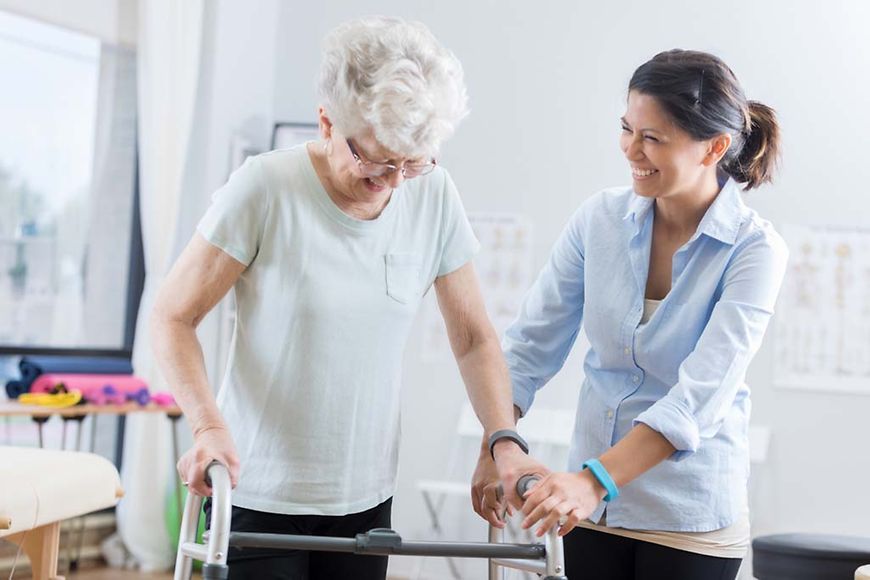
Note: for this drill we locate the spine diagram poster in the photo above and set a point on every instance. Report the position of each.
(822, 324)
(504, 268)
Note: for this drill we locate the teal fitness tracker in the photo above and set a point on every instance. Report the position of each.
(507, 434)
(603, 478)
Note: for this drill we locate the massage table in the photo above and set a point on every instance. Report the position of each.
(41, 488)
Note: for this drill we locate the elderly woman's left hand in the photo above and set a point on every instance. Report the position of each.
(562, 499)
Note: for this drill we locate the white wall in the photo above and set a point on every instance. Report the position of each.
(234, 99)
(547, 83)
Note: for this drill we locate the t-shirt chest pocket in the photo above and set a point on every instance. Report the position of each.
(403, 276)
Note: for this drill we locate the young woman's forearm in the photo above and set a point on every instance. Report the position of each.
(638, 452)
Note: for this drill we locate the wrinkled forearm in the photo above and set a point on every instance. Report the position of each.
(488, 384)
(180, 359)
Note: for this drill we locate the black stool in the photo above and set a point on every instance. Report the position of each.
(808, 556)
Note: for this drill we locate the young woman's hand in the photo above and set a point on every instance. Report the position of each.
(213, 444)
(562, 499)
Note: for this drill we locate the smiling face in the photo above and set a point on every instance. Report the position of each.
(347, 171)
(345, 174)
(665, 161)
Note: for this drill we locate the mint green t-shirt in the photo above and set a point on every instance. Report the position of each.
(324, 308)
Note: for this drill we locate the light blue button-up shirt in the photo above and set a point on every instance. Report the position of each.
(682, 373)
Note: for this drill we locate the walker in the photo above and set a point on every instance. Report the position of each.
(547, 559)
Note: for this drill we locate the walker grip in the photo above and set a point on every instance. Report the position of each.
(380, 540)
(209, 467)
(525, 483)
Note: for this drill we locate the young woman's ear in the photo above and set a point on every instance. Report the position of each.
(718, 148)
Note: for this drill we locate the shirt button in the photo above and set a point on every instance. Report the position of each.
(627, 350)
(636, 379)
(610, 414)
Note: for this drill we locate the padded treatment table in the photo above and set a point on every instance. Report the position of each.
(809, 557)
(40, 488)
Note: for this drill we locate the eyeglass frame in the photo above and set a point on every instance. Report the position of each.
(389, 168)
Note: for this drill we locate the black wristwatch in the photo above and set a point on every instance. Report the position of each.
(507, 434)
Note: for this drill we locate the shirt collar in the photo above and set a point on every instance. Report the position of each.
(638, 207)
(722, 220)
(724, 217)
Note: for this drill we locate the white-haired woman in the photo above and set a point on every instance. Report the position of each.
(330, 247)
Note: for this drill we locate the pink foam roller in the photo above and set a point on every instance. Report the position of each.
(163, 399)
(92, 387)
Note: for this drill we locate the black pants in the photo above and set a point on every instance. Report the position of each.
(603, 556)
(268, 564)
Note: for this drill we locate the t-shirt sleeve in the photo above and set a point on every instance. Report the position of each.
(459, 245)
(235, 220)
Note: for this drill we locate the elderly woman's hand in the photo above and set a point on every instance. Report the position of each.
(212, 444)
(493, 490)
(562, 499)
(485, 499)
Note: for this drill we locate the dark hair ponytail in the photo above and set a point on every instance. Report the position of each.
(704, 99)
(757, 160)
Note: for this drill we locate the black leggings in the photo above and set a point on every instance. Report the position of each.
(269, 564)
(603, 556)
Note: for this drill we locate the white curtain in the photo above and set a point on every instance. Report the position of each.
(169, 53)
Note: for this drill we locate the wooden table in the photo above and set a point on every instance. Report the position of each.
(40, 414)
(14, 408)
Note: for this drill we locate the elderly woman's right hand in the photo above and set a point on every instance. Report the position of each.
(212, 444)
(485, 498)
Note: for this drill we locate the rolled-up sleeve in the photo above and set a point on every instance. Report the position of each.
(710, 377)
(539, 340)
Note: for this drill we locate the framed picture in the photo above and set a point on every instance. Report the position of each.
(240, 149)
(286, 135)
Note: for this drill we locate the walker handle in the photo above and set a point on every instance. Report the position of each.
(208, 467)
(524, 483)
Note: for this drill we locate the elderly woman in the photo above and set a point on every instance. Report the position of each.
(330, 247)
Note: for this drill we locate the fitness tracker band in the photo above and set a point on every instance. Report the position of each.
(507, 434)
(594, 466)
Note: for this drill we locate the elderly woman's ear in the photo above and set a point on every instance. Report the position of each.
(325, 123)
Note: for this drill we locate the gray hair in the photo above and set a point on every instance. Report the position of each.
(394, 77)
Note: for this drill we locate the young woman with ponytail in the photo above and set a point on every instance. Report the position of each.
(674, 281)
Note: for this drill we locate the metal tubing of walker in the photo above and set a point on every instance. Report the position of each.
(555, 554)
(214, 554)
(496, 536)
(553, 566)
(547, 558)
(186, 537)
(404, 548)
(221, 514)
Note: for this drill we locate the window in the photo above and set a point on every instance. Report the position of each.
(70, 253)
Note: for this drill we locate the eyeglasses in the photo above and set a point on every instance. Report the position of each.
(373, 169)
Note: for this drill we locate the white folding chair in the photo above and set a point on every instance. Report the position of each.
(548, 432)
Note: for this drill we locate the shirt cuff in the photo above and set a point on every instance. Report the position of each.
(675, 423)
(523, 397)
